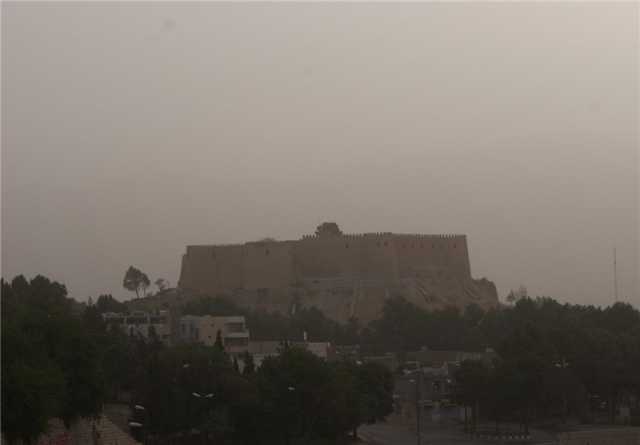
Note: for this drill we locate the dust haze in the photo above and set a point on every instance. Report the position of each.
(132, 130)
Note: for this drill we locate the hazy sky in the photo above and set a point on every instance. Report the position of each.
(131, 130)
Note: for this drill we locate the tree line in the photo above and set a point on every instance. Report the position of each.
(60, 360)
(555, 360)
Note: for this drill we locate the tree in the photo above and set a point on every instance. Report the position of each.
(249, 365)
(515, 296)
(328, 229)
(136, 281)
(293, 388)
(106, 303)
(51, 359)
(219, 345)
(161, 284)
(375, 390)
(173, 384)
(472, 379)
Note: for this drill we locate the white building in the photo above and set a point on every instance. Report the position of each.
(204, 329)
(141, 324)
(260, 350)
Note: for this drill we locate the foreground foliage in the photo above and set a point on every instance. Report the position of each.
(58, 361)
(51, 360)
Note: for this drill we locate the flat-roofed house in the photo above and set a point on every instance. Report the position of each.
(204, 329)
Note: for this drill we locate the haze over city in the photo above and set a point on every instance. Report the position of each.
(129, 132)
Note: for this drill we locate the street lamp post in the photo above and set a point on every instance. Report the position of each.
(417, 383)
(563, 365)
(204, 397)
(287, 437)
(142, 427)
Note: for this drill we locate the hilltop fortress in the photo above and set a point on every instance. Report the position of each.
(343, 275)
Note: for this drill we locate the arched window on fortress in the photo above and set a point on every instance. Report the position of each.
(346, 246)
(454, 245)
(266, 252)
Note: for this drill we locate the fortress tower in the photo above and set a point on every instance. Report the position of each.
(343, 275)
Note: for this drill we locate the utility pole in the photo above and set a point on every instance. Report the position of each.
(615, 276)
(417, 382)
(418, 406)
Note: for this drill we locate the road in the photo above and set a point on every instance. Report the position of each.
(389, 434)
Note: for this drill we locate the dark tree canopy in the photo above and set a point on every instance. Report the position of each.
(51, 366)
(328, 229)
(136, 281)
(161, 284)
(249, 365)
(552, 358)
(106, 303)
(218, 343)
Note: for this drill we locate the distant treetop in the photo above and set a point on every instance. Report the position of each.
(328, 229)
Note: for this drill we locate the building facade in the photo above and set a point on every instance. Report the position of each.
(343, 275)
(141, 324)
(204, 330)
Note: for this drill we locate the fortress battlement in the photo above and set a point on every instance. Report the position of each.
(436, 268)
(363, 256)
(384, 235)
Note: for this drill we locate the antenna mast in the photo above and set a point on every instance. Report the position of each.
(615, 276)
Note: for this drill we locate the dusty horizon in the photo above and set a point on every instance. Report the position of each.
(132, 130)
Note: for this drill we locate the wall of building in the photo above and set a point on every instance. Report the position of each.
(367, 256)
(428, 255)
(268, 265)
(376, 258)
(204, 330)
(141, 324)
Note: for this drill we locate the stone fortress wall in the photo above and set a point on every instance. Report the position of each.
(431, 270)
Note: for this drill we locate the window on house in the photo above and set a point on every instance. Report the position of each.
(232, 341)
(235, 327)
